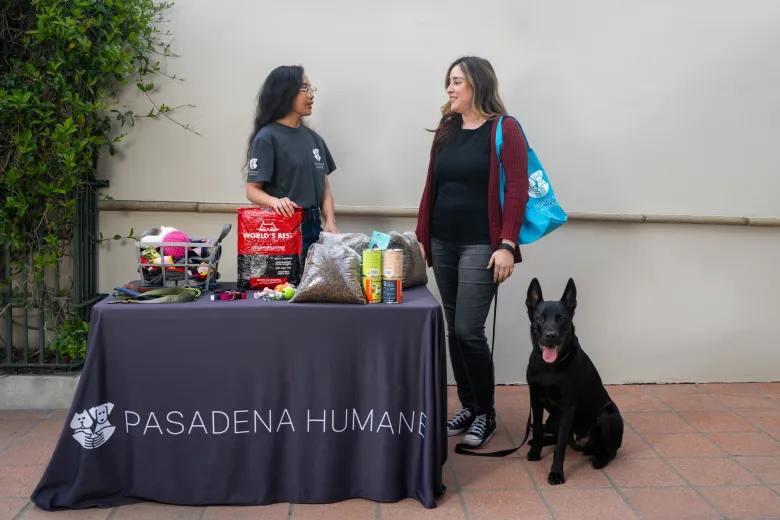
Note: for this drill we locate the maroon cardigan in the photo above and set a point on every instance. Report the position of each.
(514, 156)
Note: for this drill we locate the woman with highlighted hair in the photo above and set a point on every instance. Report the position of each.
(464, 234)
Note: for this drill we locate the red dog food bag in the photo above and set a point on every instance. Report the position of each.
(269, 248)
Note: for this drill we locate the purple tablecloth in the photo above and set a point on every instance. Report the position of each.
(253, 402)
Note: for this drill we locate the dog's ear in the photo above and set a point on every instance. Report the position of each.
(109, 407)
(534, 295)
(569, 297)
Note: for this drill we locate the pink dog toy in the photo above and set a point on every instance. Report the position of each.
(175, 236)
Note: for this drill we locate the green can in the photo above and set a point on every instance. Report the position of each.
(372, 263)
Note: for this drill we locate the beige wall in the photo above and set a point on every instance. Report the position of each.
(662, 107)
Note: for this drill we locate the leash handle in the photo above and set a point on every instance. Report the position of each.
(463, 448)
(160, 295)
(493, 339)
(132, 293)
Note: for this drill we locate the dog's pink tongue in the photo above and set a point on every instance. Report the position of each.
(550, 354)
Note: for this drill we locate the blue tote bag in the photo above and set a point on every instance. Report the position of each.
(543, 214)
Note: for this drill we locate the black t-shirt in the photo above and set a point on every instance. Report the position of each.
(462, 172)
(292, 162)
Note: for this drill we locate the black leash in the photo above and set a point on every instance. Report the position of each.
(463, 448)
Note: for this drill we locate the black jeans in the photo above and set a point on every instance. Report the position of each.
(467, 289)
(311, 227)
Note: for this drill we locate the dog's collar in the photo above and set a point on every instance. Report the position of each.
(565, 357)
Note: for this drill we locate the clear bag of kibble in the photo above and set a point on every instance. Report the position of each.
(415, 269)
(355, 241)
(332, 275)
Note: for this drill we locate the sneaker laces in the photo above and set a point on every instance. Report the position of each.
(460, 416)
(479, 426)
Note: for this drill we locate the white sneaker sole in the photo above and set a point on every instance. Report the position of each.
(452, 433)
(476, 443)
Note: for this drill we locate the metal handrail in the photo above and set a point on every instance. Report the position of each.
(401, 212)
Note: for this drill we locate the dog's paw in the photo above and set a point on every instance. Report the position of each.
(534, 454)
(601, 462)
(555, 478)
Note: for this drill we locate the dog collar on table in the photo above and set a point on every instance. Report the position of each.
(229, 295)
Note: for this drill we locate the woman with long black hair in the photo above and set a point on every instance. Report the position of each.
(289, 163)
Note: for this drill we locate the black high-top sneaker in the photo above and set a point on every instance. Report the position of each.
(460, 422)
(482, 429)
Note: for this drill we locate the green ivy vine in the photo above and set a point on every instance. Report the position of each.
(63, 66)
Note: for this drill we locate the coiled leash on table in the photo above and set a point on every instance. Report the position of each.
(462, 447)
(161, 295)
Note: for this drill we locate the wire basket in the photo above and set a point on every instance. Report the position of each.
(199, 267)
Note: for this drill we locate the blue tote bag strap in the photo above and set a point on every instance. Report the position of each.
(499, 144)
(543, 213)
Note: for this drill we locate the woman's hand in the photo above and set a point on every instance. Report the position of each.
(330, 227)
(422, 251)
(284, 207)
(504, 263)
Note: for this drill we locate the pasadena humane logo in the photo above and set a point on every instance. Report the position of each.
(91, 428)
(537, 186)
(237, 422)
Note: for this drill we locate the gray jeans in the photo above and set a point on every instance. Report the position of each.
(467, 289)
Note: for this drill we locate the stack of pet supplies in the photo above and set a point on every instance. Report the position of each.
(169, 257)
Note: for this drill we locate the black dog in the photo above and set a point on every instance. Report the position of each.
(563, 380)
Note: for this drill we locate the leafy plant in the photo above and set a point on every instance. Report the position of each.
(63, 66)
(71, 339)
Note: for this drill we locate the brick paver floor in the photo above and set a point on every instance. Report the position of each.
(690, 452)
